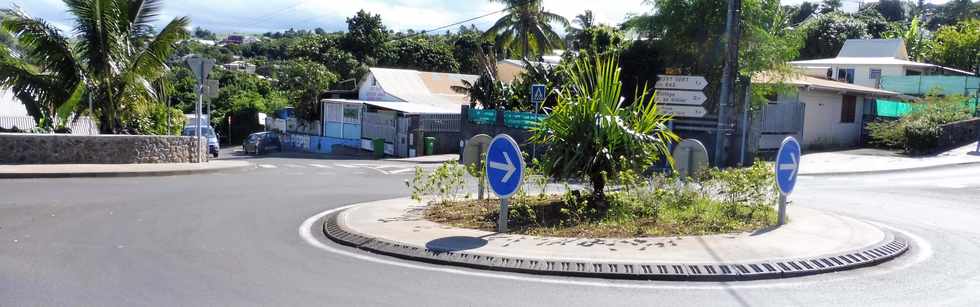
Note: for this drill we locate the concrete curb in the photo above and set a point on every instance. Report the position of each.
(155, 173)
(888, 248)
(893, 171)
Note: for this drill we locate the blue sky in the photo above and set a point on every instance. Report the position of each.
(256, 16)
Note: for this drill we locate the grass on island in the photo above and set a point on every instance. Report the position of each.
(629, 215)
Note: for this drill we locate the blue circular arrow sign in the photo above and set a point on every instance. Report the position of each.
(787, 165)
(505, 166)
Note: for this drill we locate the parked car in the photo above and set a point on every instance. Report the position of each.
(262, 142)
(207, 132)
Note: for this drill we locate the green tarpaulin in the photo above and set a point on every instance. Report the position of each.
(892, 108)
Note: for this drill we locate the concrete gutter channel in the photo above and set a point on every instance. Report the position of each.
(133, 172)
(889, 247)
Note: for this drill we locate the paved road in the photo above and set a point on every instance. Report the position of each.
(232, 239)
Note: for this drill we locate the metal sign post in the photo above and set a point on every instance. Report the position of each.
(201, 68)
(538, 94)
(787, 167)
(504, 172)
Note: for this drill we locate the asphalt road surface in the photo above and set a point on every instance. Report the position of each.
(235, 239)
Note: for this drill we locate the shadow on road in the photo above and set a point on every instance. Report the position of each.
(974, 153)
(455, 244)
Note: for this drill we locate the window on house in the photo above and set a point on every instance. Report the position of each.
(874, 74)
(847, 109)
(845, 75)
(352, 114)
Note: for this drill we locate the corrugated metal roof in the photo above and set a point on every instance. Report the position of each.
(860, 61)
(824, 84)
(872, 48)
(409, 86)
(405, 107)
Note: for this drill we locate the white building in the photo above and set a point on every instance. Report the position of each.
(833, 111)
(240, 66)
(865, 61)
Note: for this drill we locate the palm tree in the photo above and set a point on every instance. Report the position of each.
(113, 59)
(526, 28)
(487, 89)
(593, 133)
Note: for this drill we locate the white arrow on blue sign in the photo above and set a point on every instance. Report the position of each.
(505, 166)
(787, 165)
(537, 93)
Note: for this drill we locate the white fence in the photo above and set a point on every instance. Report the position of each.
(81, 126)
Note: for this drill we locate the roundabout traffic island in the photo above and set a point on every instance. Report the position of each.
(814, 242)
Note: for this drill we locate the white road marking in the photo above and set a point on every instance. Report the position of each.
(305, 232)
(267, 166)
(293, 166)
(320, 166)
(345, 165)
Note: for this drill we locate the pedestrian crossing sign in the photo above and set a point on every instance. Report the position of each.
(537, 93)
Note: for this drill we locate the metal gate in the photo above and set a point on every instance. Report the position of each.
(379, 125)
(780, 120)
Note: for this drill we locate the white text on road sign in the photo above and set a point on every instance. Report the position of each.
(692, 98)
(696, 83)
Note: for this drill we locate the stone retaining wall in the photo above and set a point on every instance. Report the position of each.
(17, 148)
(958, 134)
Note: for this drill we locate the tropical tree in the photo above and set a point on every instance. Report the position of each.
(526, 28)
(487, 90)
(957, 45)
(825, 34)
(593, 134)
(915, 39)
(366, 35)
(304, 81)
(113, 59)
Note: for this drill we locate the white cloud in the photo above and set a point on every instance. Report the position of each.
(277, 15)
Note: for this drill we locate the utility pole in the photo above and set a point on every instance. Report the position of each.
(728, 77)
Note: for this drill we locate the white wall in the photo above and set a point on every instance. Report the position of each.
(862, 72)
(823, 127)
(369, 92)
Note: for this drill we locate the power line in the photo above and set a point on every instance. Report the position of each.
(423, 32)
(452, 24)
(259, 19)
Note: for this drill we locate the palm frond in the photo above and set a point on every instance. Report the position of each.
(42, 43)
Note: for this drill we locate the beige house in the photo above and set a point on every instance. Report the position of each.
(508, 70)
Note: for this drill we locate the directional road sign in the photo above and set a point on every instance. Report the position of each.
(537, 94)
(691, 98)
(695, 83)
(787, 165)
(505, 166)
(682, 111)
